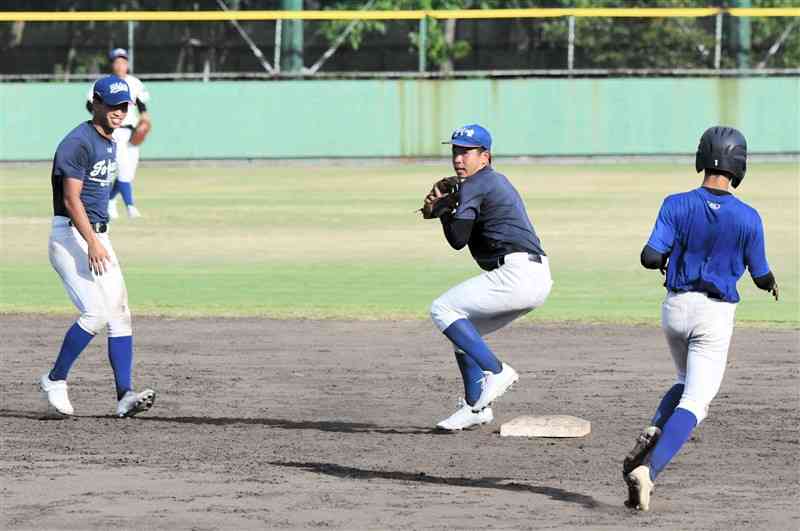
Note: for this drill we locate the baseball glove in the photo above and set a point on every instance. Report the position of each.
(140, 133)
(442, 199)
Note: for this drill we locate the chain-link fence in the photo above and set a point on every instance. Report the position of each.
(404, 43)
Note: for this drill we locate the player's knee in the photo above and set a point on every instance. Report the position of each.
(697, 408)
(443, 315)
(93, 321)
(437, 309)
(120, 324)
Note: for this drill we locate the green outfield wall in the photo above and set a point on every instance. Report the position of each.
(409, 118)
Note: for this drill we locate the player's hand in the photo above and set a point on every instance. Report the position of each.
(433, 195)
(774, 290)
(98, 258)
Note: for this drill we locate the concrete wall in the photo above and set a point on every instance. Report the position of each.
(394, 118)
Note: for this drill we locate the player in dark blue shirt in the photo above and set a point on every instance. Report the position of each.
(705, 238)
(84, 154)
(81, 253)
(492, 220)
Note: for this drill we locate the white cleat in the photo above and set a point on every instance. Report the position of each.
(495, 386)
(134, 403)
(465, 418)
(113, 212)
(133, 212)
(642, 485)
(645, 443)
(55, 392)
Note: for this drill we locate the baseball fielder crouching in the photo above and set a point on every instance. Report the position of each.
(81, 253)
(706, 238)
(486, 212)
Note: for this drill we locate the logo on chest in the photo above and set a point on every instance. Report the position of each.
(713, 206)
(103, 172)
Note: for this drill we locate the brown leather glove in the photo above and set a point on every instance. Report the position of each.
(442, 199)
(140, 133)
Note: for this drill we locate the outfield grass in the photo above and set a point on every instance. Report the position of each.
(313, 241)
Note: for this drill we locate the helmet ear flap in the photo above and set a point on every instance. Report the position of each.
(699, 163)
(735, 180)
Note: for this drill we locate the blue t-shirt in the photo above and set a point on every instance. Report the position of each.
(87, 156)
(710, 239)
(501, 224)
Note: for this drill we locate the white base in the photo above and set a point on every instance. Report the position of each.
(546, 426)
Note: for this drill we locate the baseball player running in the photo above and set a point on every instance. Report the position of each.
(133, 132)
(705, 238)
(480, 207)
(80, 250)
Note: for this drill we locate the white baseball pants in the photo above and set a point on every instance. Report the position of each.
(101, 299)
(698, 331)
(127, 155)
(495, 298)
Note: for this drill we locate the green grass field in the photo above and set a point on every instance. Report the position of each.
(342, 241)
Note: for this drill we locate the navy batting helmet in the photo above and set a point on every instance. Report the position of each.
(724, 149)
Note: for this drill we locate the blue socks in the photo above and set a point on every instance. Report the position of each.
(120, 354)
(126, 189)
(74, 342)
(472, 376)
(675, 433)
(465, 336)
(667, 406)
(127, 192)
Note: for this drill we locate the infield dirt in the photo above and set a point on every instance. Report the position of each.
(328, 424)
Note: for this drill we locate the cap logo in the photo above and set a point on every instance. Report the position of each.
(461, 131)
(117, 87)
(716, 162)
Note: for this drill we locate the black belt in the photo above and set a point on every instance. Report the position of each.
(494, 263)
(99, 228)
(533, 257)
(712, 296)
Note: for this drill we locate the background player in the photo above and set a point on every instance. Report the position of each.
(128, 137)
(81, 253)
(491, 219)
(705, 237)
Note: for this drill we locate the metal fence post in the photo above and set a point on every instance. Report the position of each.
(292, 40)
(130, 44)
(276, 56)
(743, 38)
(718, 42)
(571, 42)
(423, 44)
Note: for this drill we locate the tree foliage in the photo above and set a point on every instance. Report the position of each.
(606, 42)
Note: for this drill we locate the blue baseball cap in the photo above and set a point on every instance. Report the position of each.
(472, 135)
(112, 90)
(116, 53)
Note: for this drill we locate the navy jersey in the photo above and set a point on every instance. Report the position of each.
(710, 239)
(501, 224)
(85, 155)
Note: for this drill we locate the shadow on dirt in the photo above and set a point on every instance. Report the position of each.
(554, 493)
(338, 426)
